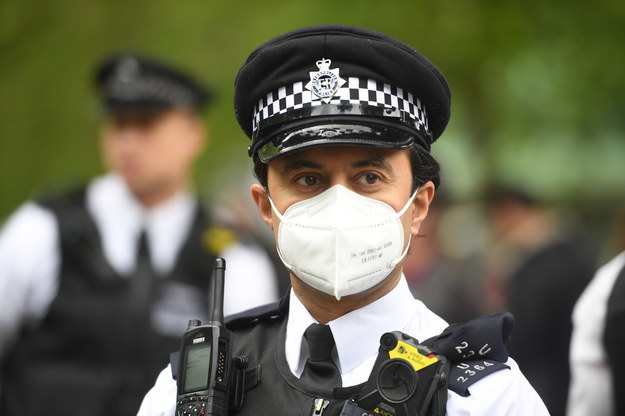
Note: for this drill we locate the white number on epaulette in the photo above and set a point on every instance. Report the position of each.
(464, 345)
(469, 370)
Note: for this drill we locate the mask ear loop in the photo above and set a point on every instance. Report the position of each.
(282, 220)
(275, 210)
(399, 214)
(410, 201)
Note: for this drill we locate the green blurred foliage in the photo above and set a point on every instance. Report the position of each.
(538, 87)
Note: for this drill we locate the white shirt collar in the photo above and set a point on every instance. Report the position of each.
(357, 334)
(121, 217)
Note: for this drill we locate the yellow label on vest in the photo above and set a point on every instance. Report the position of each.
(382, 412)
(412, 355)
(217, 239)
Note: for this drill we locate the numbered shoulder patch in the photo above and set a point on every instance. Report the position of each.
(464, 374)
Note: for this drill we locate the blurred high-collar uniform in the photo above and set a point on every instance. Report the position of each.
(340, 85)
(80, 330)
(86, 315)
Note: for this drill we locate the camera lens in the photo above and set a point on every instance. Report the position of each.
(397, 381)
(388, 341)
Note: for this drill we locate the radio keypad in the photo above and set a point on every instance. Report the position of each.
(192, 406)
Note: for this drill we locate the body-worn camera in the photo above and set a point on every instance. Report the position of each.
(405, 377)
(205, 361)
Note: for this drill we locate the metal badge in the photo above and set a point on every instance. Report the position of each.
(325, 82)
(127, 70)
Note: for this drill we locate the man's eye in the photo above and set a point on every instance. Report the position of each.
(308, 180)
(369, 178)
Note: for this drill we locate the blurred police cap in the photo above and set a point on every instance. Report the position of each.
(130, 83)
(338, 85)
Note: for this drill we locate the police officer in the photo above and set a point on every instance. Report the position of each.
(341, 120)
(597, 343)
(97, 284)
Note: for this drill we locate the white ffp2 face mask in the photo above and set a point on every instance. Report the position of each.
(340, 242)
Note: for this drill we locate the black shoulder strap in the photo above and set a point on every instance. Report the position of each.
(614, 339)
(474, 349)
(259, 314)
(69, 208)
(79, 236)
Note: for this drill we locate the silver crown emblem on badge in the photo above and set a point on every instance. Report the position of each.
(127, 70)
(326, 82)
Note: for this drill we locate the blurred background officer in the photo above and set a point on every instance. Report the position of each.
(598, 344)
(341, 120)
(97, 284)
(434, 270)
(537, 268)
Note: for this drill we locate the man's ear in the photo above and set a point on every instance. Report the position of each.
(261, 198)
(200, 134)
(421, 203)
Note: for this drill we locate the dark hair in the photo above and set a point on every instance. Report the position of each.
(424, 168)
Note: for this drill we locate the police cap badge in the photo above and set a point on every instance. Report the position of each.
(336, 84)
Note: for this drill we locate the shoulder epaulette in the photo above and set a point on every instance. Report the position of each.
(62, 200)
(474, 349)
(259, 314)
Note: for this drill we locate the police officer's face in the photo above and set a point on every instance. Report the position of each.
(382, 174)
(153, 152)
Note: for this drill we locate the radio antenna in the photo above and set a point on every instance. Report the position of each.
(218, 291)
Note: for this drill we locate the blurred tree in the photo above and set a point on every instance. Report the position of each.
(538, 86)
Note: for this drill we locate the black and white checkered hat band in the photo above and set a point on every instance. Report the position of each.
(354, 91)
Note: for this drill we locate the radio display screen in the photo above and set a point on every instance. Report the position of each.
(197, 367)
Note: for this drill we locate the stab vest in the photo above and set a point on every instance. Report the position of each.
(103, 341)
(270, 388)
(614, 340)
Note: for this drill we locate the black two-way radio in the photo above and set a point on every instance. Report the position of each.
(205, 360)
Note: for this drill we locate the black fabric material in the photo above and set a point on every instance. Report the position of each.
(96, 351)
(357, 52)
(614, 341)
(128, 82)
(144, 275)
(475, 349)
(244, 319)
(320, 369)
(272, 389)
(542, 293)
(279, 392)
(484, 337)
(259, 313)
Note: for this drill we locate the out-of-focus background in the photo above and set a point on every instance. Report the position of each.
(538, 95)
(538, 92)
(538, 87)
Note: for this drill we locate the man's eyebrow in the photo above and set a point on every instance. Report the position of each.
(376, 161)
(300, 164)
